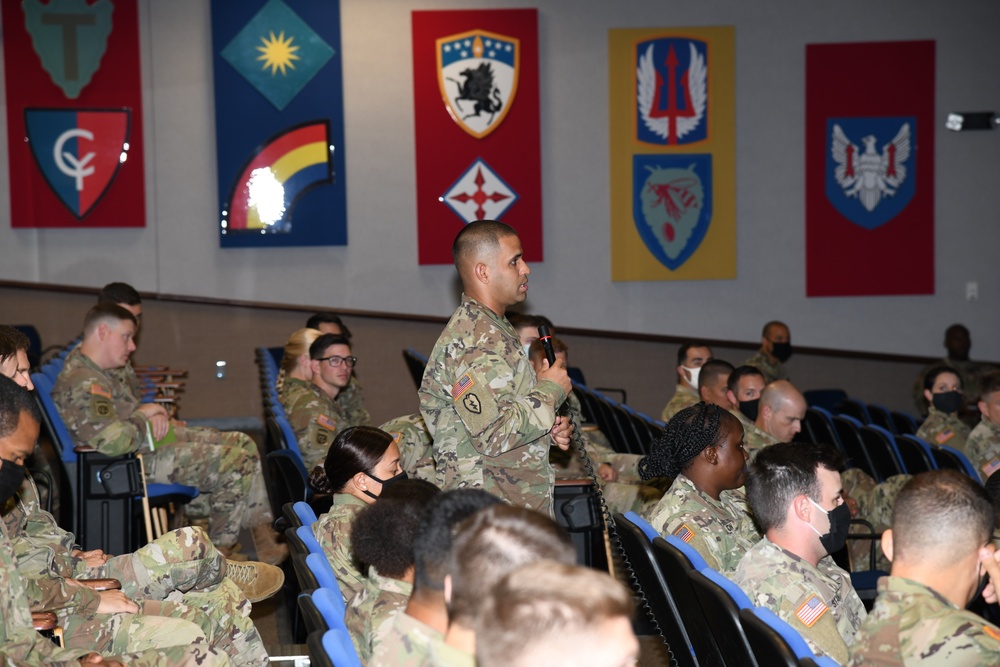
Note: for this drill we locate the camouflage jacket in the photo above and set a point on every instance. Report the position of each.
(333, 531)
(971, 373)
(315, 417)
(489, 417)
(352, 404)
(943, 429)
(756, 439)
(382, 596)
(402, 641)
(720, 530)
(684, 397)
(415, 456)
(818, 601)
(772, 372)
(441, 654)
(126, 376)
(98, 410)
(568, 464)
(912, 625)
(983, 448)
(744, 422)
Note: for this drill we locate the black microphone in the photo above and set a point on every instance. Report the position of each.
(546, 339)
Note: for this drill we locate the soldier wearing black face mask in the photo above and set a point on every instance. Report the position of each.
(775, 350)
(795, 494)
(943, 392)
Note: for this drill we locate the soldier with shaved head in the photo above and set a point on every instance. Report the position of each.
(779, 417)
(491, 417)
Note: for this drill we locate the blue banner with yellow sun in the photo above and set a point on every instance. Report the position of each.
(279, 123)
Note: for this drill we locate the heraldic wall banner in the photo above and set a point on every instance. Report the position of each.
(870, 169)
(279, 123)
(475, 80)
(74, 113)
(673, 168)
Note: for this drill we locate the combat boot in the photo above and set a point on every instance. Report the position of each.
(266, 543)
(233, 553)
(258, 581)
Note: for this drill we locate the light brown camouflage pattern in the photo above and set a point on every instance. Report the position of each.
(874, 503)
(756, 439)
(784, 583)
(943, 429)
(772, 372)
(911, 625)
(314, 416)
(333, 531)
(684, 397)
(983, 448)
(416, 456)
(402, 641)
(382, 596)
(488, 415)
(441, 654)
(352, 402)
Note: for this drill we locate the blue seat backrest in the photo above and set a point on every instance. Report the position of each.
(696, 559)
(892, 441)
(305, 533)
(330, 604)
(64, 442)
(338, 646)
(791, 636)
(963, 459)
(643, 525)
(305, 512)
(286, 429)
(923, 444)
(735, 592)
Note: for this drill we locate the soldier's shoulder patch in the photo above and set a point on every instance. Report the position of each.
(944, 436)
(396, 436)
(464, 384)
(684, 533)
(326, 422)
(991, 467)
(811, 610)
(992, 632)
(99, 390)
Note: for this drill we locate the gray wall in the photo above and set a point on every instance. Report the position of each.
(178, 253)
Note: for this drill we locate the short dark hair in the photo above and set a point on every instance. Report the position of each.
(433, 543)
(479, 235)
(519, 320)
(712, 369)
(12, 340)
(682, 351)
(15, 400)
(382, 533)
(770, 325)
(742, 372)
(328, 318)
(988, 383)
(105, 312)
(932, 375)
(536, 348)
(119, 293)
(355, 449)
(940, 516)
(783, 471)
(318, 346)
(686, 436)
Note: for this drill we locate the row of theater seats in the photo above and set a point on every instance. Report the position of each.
(320, 609)
(704, 618)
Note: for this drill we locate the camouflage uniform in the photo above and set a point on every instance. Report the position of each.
(818, 601)
(182, 568)
(352, 404)
(314, 416)
(382, 596)
(756, 439)
(971, 373)
(445, 655)
(20, 645)
(100, 412)
(912, 625)
(772, 372)
(875, 502)
(744, 422)
(943, 429)
(415, 455)
(983, 448)
(402, 641)
(684, 397)
(489, 416)
(720, 530)
(333, 531)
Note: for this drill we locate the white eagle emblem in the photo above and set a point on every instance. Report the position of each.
(870, 175)
(695, 83)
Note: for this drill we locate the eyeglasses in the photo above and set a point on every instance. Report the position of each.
(336, 361)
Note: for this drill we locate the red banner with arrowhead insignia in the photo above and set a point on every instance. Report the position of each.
(475, 80)
(870, 169)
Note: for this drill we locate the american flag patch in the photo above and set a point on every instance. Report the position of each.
(463, 385)
(396, 437)
(991, 631)
(944, 436)
(326, 422)
(684, 533)
(98, 390)
(811, 610)
(991, 467)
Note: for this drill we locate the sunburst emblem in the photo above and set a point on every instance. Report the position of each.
(277, 53)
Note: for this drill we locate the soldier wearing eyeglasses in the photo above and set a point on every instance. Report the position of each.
(317, 410)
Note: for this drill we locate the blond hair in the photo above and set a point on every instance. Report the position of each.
(296, 345)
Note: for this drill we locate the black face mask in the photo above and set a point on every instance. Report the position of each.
(840, 524)
(781, 351)
(11, 478)
(386, 483)
(948, 402)
(749, 409)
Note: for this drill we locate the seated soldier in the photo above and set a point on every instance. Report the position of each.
(403, 639)
(794, 492)
(295, 372)
(779, 419)
(382, 538)
(983, 445)
(943, 393)
(314, 409)
(775, 350)
(351, 397)
(744, 387)
(691, 356)
(526, 327)
(712, 382)
(940, 549)
(100, 412)
(14, 356)
(958, 343)
(548, 613)
(702, 450)
(414, 441)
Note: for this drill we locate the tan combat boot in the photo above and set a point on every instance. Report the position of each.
(266, 543)
(258, 581)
